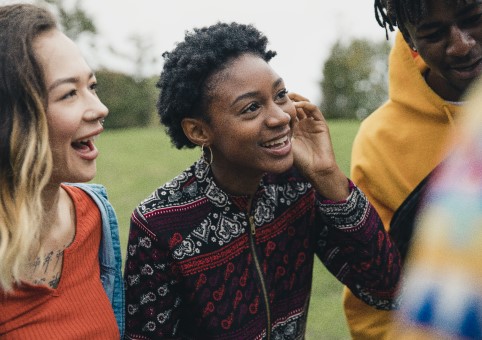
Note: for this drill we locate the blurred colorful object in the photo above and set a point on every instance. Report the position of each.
(441, 295)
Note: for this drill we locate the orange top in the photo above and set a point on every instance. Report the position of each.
(78, 308)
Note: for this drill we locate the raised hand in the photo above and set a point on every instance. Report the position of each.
(313, 151)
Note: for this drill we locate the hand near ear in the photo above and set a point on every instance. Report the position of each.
(313, 151)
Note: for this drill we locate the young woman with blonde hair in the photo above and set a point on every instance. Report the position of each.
(60, 274)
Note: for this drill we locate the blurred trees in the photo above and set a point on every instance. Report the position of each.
(131, 102)
(355, 79)
(73, 20)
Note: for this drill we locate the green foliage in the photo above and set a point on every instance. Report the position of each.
(131, 102)
(355, 79)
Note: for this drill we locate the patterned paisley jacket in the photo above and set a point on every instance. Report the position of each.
(200, 266)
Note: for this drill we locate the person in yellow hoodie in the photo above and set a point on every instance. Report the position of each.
(442, 289)
(437, 54)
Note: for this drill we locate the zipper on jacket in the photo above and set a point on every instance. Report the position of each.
(260, 274)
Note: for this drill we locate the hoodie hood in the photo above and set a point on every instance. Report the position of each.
(403, 140)
(407, 67)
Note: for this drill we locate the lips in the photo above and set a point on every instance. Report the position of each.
(279, 146)
(276, 143)
(85, 148)
(468, 70)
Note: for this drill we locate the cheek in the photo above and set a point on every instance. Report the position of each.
(432, 54)
(61, 126)
(59, 138)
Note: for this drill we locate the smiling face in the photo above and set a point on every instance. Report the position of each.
(73, 109)
(249, 127)
(449, 39)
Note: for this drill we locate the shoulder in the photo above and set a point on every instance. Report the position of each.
(98, 194)
(382, 116)
(180, 191)
(381, 125)
(90, 188)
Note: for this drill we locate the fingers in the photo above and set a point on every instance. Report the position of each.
(297, 97)
(304, 108)
(308, 110)
(300, 114)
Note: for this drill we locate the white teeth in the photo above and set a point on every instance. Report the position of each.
(281, 140)
(87, 140)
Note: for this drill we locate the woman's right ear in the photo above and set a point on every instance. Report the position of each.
(196, 130)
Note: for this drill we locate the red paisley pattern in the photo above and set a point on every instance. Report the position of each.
(191, 272)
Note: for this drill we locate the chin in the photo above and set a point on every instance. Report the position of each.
(281, 166)
(81, 178)
(88, 174)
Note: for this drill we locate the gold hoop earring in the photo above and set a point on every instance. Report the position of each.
(203, 154)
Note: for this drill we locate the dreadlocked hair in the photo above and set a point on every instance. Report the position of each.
(396, 13)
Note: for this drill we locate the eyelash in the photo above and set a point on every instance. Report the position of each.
(282, 94)
(472, 20)
(93, 87)
(72, 93)
(69, 94)
(251, 108)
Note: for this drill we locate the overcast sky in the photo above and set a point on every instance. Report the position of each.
(301, 31)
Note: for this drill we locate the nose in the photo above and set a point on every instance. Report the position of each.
(96, 109)
(277, 117)
(460, 42)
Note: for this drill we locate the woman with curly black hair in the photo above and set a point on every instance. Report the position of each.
(226, 249)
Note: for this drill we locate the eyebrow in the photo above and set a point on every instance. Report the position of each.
(70, 80)
(464, 11)
(254, 93)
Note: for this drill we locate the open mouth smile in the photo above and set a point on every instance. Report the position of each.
(85, 147)
(277, 143)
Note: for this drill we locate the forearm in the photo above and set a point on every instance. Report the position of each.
(331, 184)
(358, 251)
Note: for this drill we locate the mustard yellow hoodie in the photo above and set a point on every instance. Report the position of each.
(396, 147)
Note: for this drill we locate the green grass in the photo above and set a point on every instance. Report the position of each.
(134, 162)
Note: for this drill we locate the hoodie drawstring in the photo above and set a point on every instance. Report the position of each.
(449, 115)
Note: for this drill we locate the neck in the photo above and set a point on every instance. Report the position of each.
(236, 183)
(50, 199)
(58, 222)
(58, 208)
(442, 87)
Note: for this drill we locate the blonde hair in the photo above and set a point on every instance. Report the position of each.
(25, 156)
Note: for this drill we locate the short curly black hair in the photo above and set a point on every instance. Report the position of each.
(189, 66)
